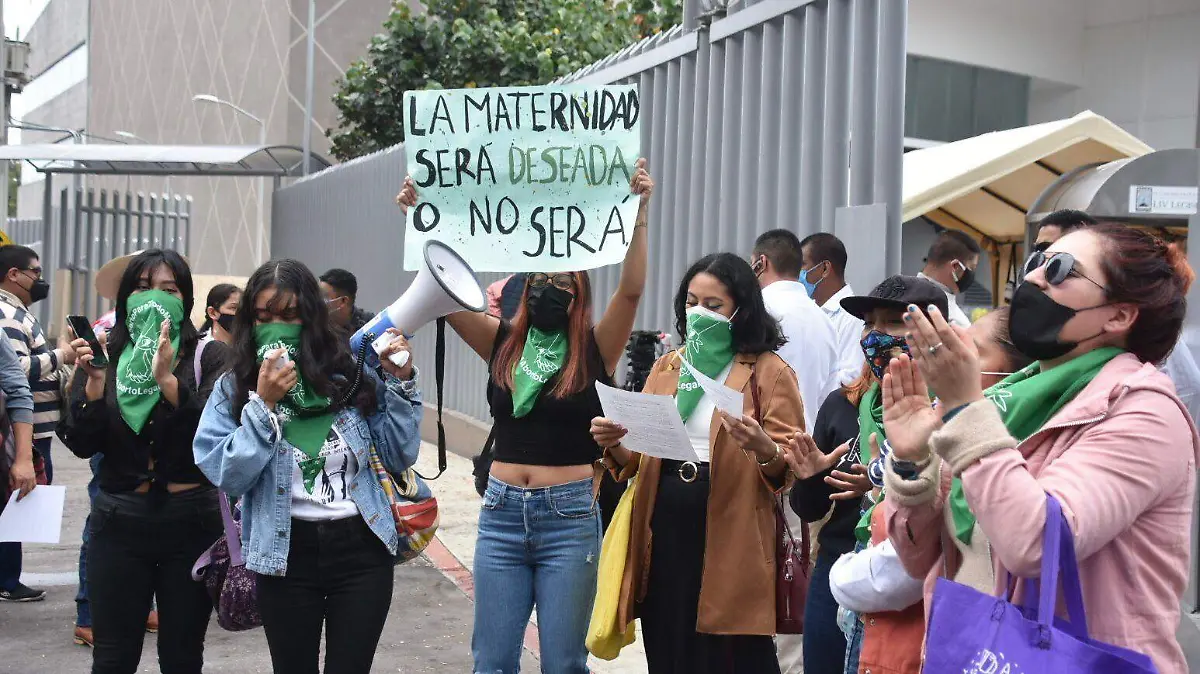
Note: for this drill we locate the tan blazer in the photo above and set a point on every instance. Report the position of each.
(737, 589)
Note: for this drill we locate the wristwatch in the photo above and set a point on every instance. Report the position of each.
(908, 470)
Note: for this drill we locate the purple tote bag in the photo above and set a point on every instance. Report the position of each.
(231, 586)
(974, 633)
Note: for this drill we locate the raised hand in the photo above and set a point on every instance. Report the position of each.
(164, 355)
(806, 460)
(397, 345)
(274, 381)
(641, 184)
(407, 198)
(908, 416)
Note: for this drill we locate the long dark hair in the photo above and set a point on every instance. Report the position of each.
(324, 359)
(754, 330)
(574, 374)
(147, 262)
(219, 294)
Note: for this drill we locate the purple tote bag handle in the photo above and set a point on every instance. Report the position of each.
(232, 538)
(1058, 554)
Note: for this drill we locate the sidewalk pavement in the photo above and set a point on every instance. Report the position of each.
(428, 629)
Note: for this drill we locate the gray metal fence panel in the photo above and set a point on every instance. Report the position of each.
(748, 111)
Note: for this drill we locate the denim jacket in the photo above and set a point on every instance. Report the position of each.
(250, 459)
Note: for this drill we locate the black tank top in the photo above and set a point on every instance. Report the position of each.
(557, 431)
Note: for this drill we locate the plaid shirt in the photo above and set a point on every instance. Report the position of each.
(41, 362)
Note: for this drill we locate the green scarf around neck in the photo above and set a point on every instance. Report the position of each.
(870, 420)
(1026, 401)
(541, 359)
(304, 415)
(708, 348)
(137, 391)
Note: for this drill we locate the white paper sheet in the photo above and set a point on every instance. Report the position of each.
(37, 518)
(653, 421)
(723, 398)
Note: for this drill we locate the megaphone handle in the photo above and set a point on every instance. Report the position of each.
(400, 359)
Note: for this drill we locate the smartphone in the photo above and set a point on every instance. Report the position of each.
(82, 328)
(282, 360)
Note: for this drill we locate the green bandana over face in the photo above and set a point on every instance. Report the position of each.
(137, 391)
(300, 412)
(541, 359)
(1026, 400)
(709, 348)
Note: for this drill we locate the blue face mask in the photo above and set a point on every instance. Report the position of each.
(809, 285)
(879, 349)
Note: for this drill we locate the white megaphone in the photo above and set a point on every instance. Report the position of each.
(445, 285)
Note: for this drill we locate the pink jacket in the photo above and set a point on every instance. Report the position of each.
(1120, 458)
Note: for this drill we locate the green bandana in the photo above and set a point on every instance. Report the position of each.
(306, 432)
(709, 348)
(542, 358)
(1027, 400)
(870, 420)
(137, 392)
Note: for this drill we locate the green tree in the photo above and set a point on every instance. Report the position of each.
(479, 43)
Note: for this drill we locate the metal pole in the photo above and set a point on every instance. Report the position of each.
(262, 197)
(889, 121)
(308, 82)
(4, 120)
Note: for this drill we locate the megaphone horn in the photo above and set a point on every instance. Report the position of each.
(445, 285)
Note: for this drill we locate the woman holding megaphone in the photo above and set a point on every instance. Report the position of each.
(293, 430)
(539, 529)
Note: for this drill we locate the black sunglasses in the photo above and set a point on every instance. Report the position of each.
(1059, 266)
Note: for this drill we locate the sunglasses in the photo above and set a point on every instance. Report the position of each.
(1058, 267)
(561, 281)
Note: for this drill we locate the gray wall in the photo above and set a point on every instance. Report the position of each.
(69, 110)
(61, 28)
(745, 125)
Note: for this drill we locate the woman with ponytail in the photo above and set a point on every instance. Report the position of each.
(219, 310)
(1092, 422)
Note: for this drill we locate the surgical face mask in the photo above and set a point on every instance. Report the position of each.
(226, 322)
(880, 348)
(808, 285)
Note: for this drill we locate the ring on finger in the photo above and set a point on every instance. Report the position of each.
(934, 349)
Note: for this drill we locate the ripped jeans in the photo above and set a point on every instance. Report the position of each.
(536, 547)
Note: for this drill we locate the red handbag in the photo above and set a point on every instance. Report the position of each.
(792, 558)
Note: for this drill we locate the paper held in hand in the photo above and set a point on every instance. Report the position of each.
(654, 425)
(37, 518)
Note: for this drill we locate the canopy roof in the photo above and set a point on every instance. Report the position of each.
(986, 184)
(117, 159)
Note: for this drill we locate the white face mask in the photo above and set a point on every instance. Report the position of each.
(699, 310)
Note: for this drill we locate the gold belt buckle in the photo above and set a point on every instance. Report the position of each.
(683, 471)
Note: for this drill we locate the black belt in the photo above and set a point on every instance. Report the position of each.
(687, 471)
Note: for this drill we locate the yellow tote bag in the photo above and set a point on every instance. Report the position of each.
(605, 638)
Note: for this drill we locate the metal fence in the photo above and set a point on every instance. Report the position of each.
(748, 115)
(104, 226)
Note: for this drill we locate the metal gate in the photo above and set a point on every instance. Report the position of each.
(109, 224)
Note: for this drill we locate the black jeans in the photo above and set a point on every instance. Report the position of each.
(339, 576)
(142, 546)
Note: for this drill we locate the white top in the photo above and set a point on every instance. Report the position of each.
(1181, 367)
(873, 581)
(698, 425)
(330, 497)
(847, 330)
(957, 315)
(811, 348)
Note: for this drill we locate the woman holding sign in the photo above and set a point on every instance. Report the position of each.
(700, 572)
(155, 512)
(539, 530)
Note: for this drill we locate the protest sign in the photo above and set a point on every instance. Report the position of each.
(523, 178)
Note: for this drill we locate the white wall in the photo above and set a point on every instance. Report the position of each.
(1040, 38)
(1141, 69)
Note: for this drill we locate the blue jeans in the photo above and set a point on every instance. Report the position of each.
(83, 608)
(854, 637)
(824, 643)
(536, 547)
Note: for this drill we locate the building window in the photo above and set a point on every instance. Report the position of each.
(948, 101)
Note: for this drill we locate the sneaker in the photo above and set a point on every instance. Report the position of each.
(152, 622)
(21, 593)
(83, 637)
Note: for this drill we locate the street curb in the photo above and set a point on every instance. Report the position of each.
(461, 576)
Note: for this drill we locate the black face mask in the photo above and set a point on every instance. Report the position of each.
(548, 307)
(1035, 322)
(965, 280)
(226, 322)
(38, 290)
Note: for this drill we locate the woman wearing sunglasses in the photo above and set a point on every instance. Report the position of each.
(1092, 422)
(539, 529)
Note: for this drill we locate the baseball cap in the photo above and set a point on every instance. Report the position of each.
(897, 292)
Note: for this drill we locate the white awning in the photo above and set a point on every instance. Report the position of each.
(212, 160)
(986, 184)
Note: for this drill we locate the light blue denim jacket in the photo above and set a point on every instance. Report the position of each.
(250, 459)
